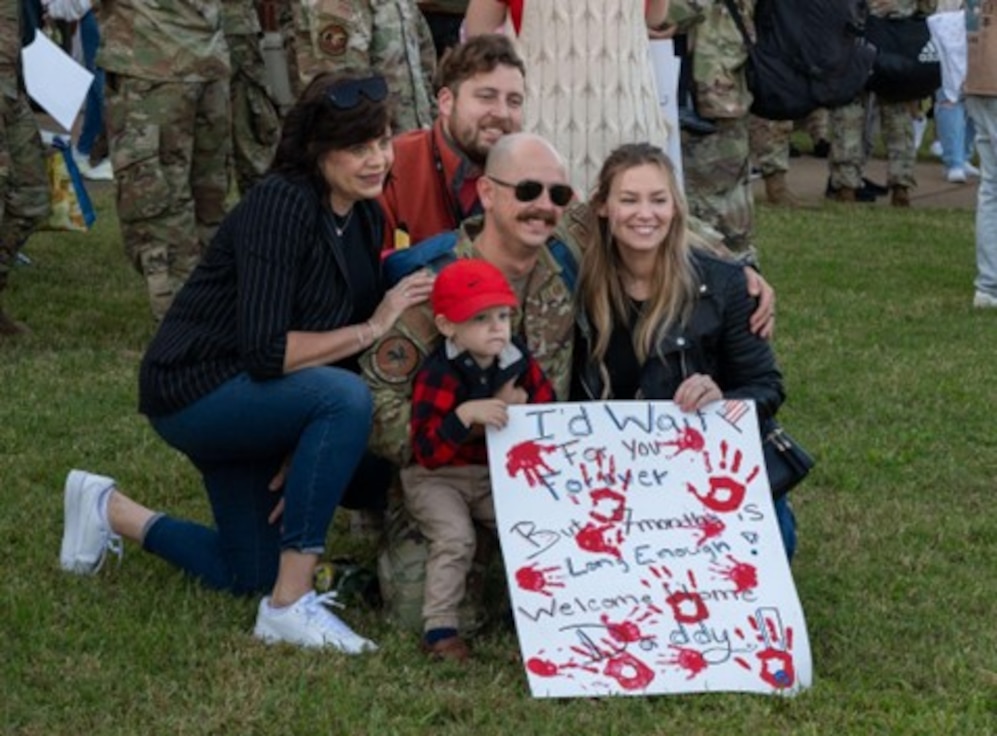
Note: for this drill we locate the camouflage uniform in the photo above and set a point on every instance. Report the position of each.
(848, 122)
(24, 198)
(769, 141)
(546, 319)
(255, 121)
(815, 125)
(389, 36)
(716, 166)
(169, 128)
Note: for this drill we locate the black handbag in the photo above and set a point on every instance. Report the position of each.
(907, 66)
(786, 461)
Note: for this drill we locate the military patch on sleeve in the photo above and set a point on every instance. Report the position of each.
(396, 360)
(333, 39)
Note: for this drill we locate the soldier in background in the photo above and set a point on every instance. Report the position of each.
(848, 127)
(170, 131)
(769, 143)
(255, 120)
(24, 198)
(716, 166)
(389, 36)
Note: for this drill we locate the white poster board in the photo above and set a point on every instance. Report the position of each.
(54, 79)
(666, 76)
(642, 551)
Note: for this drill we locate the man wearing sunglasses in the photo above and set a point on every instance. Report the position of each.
(523, 191)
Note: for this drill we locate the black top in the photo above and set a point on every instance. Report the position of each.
(275, 265)
(716, 341)
(621, 358)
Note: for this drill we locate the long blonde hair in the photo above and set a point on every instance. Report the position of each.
(673, 280)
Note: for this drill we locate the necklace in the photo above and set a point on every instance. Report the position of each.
(341, 225)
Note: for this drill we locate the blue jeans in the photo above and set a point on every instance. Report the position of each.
(93, 116)
(237, 436)
(955, 131)
(787, 525)
(983, 110)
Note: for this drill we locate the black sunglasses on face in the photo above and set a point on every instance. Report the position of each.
(528, 190)
(346, 95)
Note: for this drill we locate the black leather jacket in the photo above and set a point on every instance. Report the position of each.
(716, 341)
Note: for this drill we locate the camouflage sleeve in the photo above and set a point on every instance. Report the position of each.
(389, 367)
(427, 53)
(685, 14)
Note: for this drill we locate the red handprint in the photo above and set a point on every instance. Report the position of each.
(687, 439)
(600, 539)
(630, 672)
(625, 632)
(690, 660)
(543, 667)
(726, 492)
(777, 666)
(743, 575)
(616, 502)
(776, 659)
(528, 458)
(687, 605)
(709, 527)
(538, 579)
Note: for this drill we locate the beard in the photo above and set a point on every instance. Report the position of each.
(467, 137)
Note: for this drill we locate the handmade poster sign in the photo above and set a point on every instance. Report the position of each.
(642, 551)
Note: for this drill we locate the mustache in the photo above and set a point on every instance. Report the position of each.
(548, 218)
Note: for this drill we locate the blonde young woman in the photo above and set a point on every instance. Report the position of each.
(660, 319)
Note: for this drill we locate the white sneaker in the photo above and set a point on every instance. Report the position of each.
(956, 175)
(982, 300)
(971, 170)
(308, 623)
(936, 149)
(86, 536)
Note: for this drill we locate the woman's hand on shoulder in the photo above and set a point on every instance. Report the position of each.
(411, 290)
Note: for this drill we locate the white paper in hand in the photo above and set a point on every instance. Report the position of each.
(54, 79)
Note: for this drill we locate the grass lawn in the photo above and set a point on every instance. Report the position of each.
(891, 382)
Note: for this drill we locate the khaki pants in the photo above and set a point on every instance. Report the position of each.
(445, 503)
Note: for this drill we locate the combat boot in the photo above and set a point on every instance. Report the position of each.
(844, 194)
(777, 191)
(900, 196)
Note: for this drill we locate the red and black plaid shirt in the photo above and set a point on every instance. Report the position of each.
(439, 437)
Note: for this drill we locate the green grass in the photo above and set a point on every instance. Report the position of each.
(891, 381)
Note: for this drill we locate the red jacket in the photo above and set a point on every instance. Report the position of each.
(421, 191)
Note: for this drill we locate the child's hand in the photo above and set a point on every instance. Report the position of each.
(489, 412)
(510, 393)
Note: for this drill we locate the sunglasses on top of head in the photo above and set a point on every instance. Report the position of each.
(345, 95)
(528, 190)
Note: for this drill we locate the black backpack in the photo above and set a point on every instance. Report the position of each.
(907, 64)
(808, 54)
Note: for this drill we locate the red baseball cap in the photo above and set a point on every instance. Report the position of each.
(468, 286)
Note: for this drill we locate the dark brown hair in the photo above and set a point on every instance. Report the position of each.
(315, 126)
(477, 55)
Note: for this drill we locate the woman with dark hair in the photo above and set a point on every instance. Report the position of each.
(660, 319)
(254, 367)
